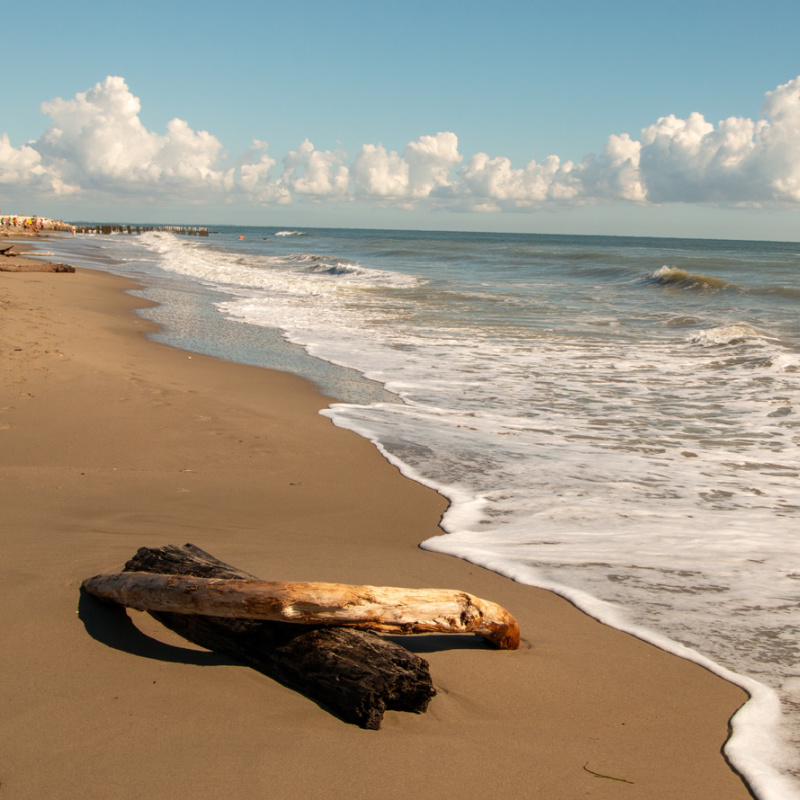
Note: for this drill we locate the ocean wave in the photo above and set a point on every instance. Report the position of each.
(337, 268)
(783, 292)
(683, 279)
(728, 335)
(305, 257)
(324, 265)
(290, 233)
(743, 346)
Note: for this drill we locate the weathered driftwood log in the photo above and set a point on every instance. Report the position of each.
(23, 264)
(355, 674)
(379, 608)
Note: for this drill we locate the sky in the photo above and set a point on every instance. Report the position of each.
(583, 117)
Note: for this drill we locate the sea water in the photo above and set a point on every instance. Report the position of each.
(615, 419)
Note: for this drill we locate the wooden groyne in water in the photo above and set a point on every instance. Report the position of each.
(109, 229)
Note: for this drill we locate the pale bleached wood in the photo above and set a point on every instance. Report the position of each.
(357, 675)
(378, 608)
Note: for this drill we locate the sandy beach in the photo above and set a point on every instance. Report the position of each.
(111, 442)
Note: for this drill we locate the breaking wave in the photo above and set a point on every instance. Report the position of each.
(683, 279)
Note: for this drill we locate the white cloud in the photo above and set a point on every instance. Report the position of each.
(255, 176)
(315, 172)
(97, 144)
(780, 141)
(430, 160)
(691, 161)
(675, 160)
(739, 161)
(377, 173)
(492, 183)
(424, 168)
(22, 167)
(616, 173)
(96, 141)
(18, 165)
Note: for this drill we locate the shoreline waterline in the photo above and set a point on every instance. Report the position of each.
(754, 748)
(423, 481)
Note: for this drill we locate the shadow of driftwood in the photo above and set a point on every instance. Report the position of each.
(110, 624)
(437, 642)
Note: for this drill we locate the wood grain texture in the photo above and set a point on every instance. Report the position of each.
(355, 674)
(379, 608)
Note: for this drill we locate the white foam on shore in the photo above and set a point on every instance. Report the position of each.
(757, 748)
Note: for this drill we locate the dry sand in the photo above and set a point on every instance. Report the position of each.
(109, 442)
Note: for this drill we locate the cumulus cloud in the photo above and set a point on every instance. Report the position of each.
(18, 165)
(690, 160)
(424, 168)
(614, 174)
(377, 173)
(430, 160)
(22, 167)
(314, 172)
(255, 176)
(674, 160)
(97, 144)
(780, 140)
(738, 161)
(489, 184)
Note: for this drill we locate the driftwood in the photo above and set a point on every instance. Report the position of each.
(24, 264)
(355, 674)
(379, 608)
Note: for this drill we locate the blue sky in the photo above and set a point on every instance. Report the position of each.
(430, 114)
